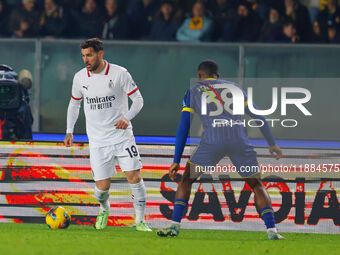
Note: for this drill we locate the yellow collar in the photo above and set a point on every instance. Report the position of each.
(210, 79)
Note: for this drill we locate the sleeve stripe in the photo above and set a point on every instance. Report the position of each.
(76, 98)
(133, 91)
(188, 109)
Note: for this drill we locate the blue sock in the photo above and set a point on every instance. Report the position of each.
(179, 207)
(267, 214)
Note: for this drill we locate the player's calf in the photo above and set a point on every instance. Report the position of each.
(102, 197)
(139, 201)
(180, 204)
(263, 202)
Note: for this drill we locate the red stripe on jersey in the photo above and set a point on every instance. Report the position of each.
(88, 74)
(75, 98)
(218, 96)
(107, 69)
(133, 91)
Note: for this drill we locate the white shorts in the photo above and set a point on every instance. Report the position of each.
(104, 159)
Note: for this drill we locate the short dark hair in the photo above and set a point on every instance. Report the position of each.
(169, 2)
(244, 3)
(94, 43)
(289, 22)
(209, 67)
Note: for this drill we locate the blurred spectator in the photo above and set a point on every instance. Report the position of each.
(24, 20)
(313, 8)
(223, 13)
(53, 22)
(272, 26)
(287, 34)
(198, 27)
(116, 22)
(277, 4)
(246, 26)
(333, 34)
(233, 20)
(141, 15)
(299, 14)
(187, 5)
(259, 7)
(329, 16)
(70, 4)
(4, 10)
(165, 26)
(74, 4)
(317, 37)
(179, 13)
(89, 21)
(323, 4)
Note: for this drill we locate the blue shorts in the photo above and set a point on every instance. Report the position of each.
(241, 155)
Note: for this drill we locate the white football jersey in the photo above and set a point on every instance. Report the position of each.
(105, 98)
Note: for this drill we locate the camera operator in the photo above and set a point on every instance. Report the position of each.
(15, 113)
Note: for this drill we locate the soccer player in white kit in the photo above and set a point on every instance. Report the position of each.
(105, 89)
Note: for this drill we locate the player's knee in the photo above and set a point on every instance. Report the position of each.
(187, 177)
(103, 184)
(134, 178)
(186, 180)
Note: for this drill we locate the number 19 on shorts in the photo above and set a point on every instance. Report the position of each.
(133, 152)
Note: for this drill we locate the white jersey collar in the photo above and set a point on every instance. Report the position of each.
(105, 71)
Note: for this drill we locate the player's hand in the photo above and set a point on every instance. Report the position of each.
(68, 141)
(122, 124)
(173, 170)
(275, 151)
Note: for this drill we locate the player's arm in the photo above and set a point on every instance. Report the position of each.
(136, 107)
(72, 112)
(267, 133)
(130, 88)
(182, 135)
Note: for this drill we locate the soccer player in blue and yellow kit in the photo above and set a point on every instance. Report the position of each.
(219, 139)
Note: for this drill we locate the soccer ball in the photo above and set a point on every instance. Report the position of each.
(58, 217)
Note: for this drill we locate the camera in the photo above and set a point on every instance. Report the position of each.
(15, 113)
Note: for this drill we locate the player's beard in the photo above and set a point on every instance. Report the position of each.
(95, 66)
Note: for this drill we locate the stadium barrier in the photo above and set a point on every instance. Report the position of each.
(35, 176)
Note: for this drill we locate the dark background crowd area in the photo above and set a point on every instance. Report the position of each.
(273, 21)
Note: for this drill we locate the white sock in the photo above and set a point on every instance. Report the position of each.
(175, 222)
(103, 198)
(139, 200)
(272, 230)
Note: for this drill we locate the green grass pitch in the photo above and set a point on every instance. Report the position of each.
(38, 239)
